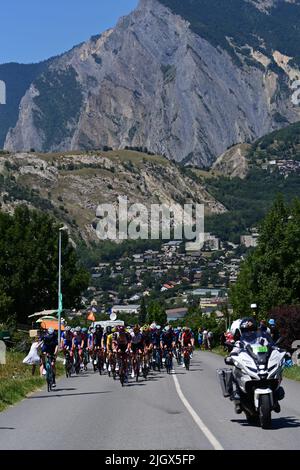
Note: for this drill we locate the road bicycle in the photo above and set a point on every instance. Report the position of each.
(68, 363)
(187, 357)
(123, 367)
(50, 377)
(76, 361)
(169, 360)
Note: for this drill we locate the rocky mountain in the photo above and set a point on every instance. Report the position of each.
(233, 162)
(71, 185)
(17, 78)
(184, 79)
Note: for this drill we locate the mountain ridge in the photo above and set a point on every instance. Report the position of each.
(130, 87)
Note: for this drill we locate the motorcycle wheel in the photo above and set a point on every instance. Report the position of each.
(265, 412)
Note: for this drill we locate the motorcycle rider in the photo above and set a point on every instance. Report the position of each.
(250, 334)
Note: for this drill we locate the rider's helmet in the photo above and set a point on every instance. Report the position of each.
(179, 328)
(248, 328)
(68, 328)
(78, 329)
(98, 327)
(145, 328)
(50, 331)
(167, 328)
(108, 329)
(158, 327)
(121, 329)
(84, 330)
(187, 329)
(136, 328)
(271, 322)
(153, 326)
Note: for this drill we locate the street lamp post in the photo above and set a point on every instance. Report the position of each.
(59, 311)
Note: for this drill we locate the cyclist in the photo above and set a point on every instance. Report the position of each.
(167, 341)
(50, 347)
(107, 333)
(97, 342)
(66, 341)
(155, 341)
(146, 332)
(137, 345)
(187, 340)
(123, 339)
(123, 345)
(78, 341)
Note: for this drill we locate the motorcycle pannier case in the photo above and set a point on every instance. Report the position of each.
(226, 381)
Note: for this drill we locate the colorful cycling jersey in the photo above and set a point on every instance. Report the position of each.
(49, 343)
(67, 338)
(136, 338)
(90, 341)
(77, 340)
(109, 341)
(187, 337)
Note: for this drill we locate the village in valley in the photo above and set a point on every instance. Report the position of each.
(171, 273)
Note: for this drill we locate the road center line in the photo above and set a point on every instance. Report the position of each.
(208, 434)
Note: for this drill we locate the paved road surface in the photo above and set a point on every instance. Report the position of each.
(185, 411)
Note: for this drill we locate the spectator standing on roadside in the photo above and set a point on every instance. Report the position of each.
(205, 339)
(200, 338)
(210, 338)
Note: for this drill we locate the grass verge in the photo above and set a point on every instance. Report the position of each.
(16, 380)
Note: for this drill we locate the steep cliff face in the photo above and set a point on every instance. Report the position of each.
(162, 81)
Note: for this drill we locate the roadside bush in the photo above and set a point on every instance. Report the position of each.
(288, 322)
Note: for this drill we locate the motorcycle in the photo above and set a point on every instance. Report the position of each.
(257, 375)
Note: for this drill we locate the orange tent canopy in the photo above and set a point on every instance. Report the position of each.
(51, 324)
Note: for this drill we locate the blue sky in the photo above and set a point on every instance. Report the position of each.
(33, 30)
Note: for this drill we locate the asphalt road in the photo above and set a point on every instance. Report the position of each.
(185, 411)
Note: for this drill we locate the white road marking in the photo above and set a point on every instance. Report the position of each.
(208, 434)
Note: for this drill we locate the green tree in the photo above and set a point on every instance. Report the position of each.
(156, 313)
(29, 265)
(270, 275)
(143, 312)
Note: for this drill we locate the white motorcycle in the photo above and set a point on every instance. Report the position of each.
(257, 375)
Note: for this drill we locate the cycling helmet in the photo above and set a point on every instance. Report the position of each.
(167, 328)
(122, 328)
(271, 322)
(136, 328)
(98, 327)
(50, 331)
(108, 330)
(68, 328)
(84, 330)
(153, 326)
(78, 329)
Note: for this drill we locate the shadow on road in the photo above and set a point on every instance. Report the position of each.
(52, 394)
(5, 428)
(277, 423)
